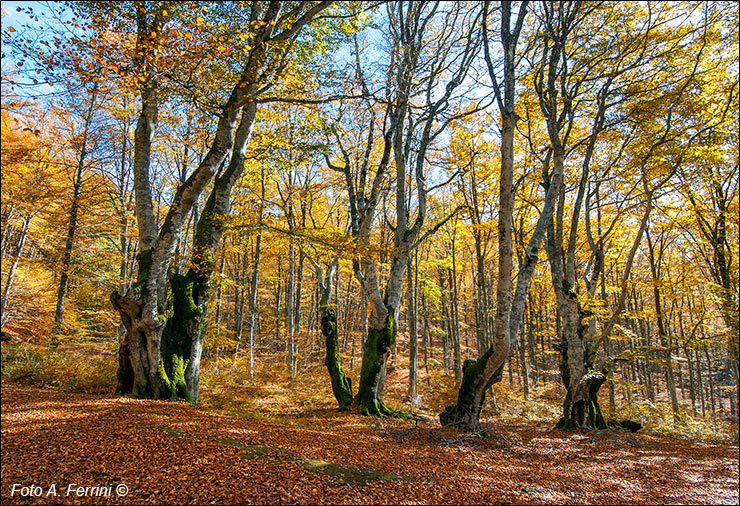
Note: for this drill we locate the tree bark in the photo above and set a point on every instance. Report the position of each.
(341, 384)
(480, 374)
(73, 212)
(4, 307)
(412, 395)
(165, 316)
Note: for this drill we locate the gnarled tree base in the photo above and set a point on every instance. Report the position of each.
(465, 413)
(180, 326)
(368, 400)
(584, 412)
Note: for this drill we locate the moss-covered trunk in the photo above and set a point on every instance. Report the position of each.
(177, 334)
(369, 398)
(182, 339)
(465, 413)
(581, 405)
(341, 385)
(582, 409)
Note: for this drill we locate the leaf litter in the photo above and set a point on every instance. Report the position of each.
(177, 453)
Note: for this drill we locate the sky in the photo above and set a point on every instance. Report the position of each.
(12, 19)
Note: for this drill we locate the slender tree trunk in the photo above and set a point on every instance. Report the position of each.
(278, 292)
(253, 289)
(454, 321)
(289, 307)
(72, 227)
(412, 395)
(524, 373)
(341, 384)
(13, 264)
(479, 375)
(711, 380)
(662, 331)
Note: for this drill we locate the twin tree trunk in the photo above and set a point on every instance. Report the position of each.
(180, 334)
(165, 313)
(582, 383)
(379, 341)
(173, 341)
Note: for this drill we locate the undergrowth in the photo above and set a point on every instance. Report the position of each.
(69, 371)
(271, 393)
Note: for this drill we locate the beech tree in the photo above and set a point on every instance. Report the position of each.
(318, 179)
(165, 314)
(422, 82)
(480, 374)
(567, 72)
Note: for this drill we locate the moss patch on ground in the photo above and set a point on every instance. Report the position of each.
(351, 475)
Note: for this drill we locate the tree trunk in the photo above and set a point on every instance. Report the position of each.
(4, 313)
(253, 298)
(455, 313)
(341, 384)
(480, 374)
(290, 308)
(581, 405)
(412, 395)
(375, 352)
(165, 317)
(72, 228)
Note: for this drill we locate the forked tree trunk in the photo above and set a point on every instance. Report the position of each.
(581, 405)
(165, 315)
(375, 351)
(479, 375)
(165, 352)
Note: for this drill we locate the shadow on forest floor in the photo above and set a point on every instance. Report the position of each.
(177, 453)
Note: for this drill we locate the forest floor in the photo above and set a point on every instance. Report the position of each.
(158, 452)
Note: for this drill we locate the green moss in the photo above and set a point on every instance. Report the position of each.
(173, 432)
(254, 451)
(378, 343)
(169, 309)
(181, 324)
(595, 417)
(341, 384)
(466, 411)
(349, 474)
(173, 385)
(144, 259)
(587, 413)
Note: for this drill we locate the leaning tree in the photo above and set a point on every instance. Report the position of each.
(480, 374)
